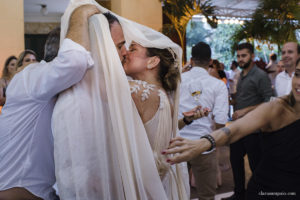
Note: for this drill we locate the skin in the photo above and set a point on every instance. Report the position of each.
(213, 72)
(28, 58)
(119, 41)
(12, 66)
(2, 99)
(270, 116)
(289, 56)
(78, 32)
(194, 114)
(78, 27)
(141, 67)
(279, 67)
(245, 60)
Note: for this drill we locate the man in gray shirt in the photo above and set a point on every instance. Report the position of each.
(254, 87)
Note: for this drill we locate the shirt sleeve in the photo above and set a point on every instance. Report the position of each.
(220, 109)
(44, 80)
(276, 85)
(265, 88)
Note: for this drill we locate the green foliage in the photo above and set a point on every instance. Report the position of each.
(219, 39)
(274, 21)
(179, 12)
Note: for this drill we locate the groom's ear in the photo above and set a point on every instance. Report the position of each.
(153, 62)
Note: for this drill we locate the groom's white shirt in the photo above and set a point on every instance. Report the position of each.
(26, 141)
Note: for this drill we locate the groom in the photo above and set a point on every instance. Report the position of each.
(26, 142)
(117, 35)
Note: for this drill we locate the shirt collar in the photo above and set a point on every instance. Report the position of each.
(252, 70)
(199, 70)
(287, 74)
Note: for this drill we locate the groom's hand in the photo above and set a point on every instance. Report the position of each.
(85, 11)
(78, 26)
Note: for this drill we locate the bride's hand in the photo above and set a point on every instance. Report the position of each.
(185, 150)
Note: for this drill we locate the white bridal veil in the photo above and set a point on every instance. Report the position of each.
(101, 146)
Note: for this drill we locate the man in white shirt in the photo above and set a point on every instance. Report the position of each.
(283, 82)
(26, 141)
(199, 88)
(271, 68)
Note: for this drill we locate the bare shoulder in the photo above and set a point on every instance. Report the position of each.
(2, 82)
(280, 113)
(146, 98)
(142, 91)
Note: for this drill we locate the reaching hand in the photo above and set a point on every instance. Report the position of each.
(196, 113)
(184, 149)
(187, 67)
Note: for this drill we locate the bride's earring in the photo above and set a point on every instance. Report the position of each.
(149, 66)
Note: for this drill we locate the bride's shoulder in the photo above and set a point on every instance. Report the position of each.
(146, 98)
(143, 90)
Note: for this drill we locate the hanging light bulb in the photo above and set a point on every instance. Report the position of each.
(44, 10)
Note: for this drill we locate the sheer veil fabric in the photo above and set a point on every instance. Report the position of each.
(101, 146)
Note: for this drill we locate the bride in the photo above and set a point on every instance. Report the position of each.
(155, 74)
(108, 134)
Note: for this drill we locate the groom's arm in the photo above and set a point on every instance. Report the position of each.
(78, 26)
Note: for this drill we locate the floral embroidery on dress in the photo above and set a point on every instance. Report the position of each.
(146, 92)
(162, 96)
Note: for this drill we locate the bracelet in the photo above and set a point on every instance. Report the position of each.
(211, 140)
(187, 122)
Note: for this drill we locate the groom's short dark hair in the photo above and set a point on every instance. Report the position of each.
(111, 18)
(52, 45)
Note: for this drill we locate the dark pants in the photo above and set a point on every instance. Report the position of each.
(250, 145)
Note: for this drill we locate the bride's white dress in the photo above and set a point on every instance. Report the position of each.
(159, 130)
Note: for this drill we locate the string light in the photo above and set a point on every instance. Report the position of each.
(223, 20)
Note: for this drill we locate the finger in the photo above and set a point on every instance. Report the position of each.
(198, 107)
(188, 114)
(176, 139)
(201, 113)
(175, 160)
(176, 144)
(178, 158)
(172, 150)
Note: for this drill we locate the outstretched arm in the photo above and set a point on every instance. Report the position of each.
(185, 150)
